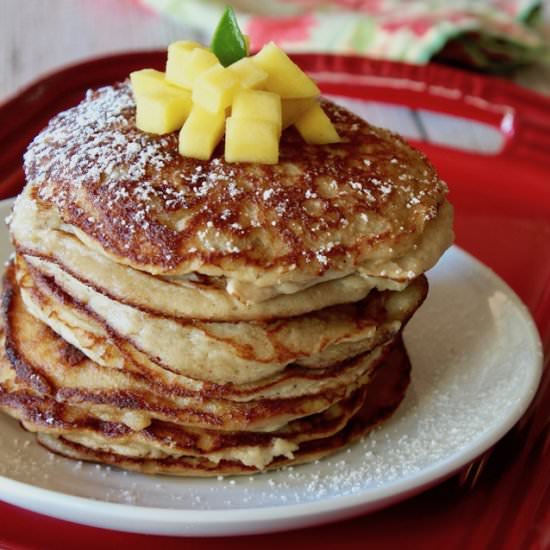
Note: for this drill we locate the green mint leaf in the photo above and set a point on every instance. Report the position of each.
(228, 42)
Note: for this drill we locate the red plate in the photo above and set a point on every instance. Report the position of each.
(502, 216)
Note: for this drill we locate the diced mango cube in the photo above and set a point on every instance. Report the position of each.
(257, 105)
(162, 113)
(315, 127)
(201, 133)
(249, 74)
(178, 55)
(285, 77)
(184, 45)
(185, 64)
(214, 89)
(248, 140)
(293, 108)
(150, 81)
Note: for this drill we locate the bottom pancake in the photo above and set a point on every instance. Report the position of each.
(385, 393)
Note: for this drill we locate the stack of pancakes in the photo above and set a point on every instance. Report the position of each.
(171, 315)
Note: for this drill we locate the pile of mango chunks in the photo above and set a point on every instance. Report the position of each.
(252, 101)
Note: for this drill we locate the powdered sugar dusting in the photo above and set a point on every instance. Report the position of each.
(81, 147)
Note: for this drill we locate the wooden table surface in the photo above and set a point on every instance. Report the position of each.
(38, 36)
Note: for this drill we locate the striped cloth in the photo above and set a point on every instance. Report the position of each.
(491, 35)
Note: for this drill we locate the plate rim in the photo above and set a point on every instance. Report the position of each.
(160, 520)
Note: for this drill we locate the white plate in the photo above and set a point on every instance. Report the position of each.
(476, 358)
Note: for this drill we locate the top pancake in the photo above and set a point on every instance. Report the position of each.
(321, 213)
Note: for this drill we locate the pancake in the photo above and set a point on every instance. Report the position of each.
(161, 439)
(237, 352)
(362, 206)
(168, 448)
(54, 368)
(175, 316)
(38, 232)
(38, 367)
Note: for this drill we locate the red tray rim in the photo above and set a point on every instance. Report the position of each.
(527, 138)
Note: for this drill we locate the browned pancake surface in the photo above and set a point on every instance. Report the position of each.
(320, 208)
